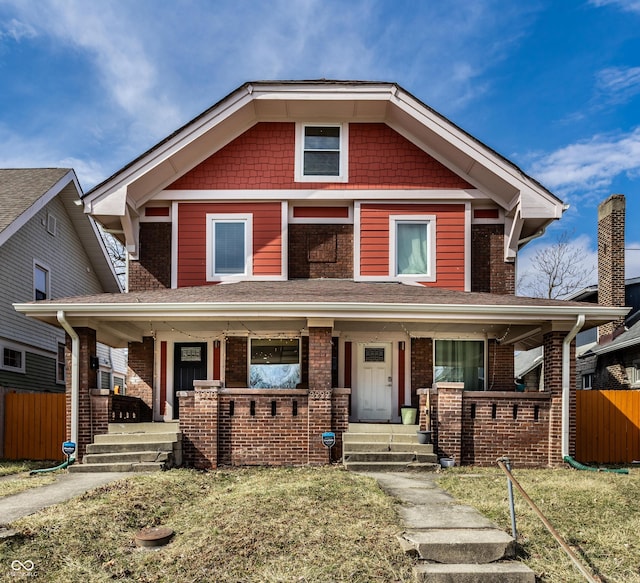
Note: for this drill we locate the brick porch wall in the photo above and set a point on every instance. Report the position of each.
(140, 370)
(244, 426)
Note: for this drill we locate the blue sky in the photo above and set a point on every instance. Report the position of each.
(552, 85)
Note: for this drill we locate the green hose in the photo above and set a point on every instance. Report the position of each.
(62, 466)
(578, 466)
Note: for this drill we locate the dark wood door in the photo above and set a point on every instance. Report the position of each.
(189, 364)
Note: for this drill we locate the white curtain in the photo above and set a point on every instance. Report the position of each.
(412, 248)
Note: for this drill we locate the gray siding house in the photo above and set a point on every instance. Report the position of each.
(49, 248)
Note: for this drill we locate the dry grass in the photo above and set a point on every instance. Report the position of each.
(10, 467)
(262, 525)
(14, 477)
(598, 514)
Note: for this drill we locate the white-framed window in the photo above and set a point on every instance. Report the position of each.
(412, 247)
(41, 282)
(229, 246)
(633, 374)
(321, 152)
(460, 361)
(12, 359)
(60, 364)
(587, 381)
(274, 363)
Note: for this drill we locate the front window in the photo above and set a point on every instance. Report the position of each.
(40, 282)
(460, 361)
(412, 247)
(321, 153)
(60, 364)
(13, 359)
(275, 363)
(228, 246)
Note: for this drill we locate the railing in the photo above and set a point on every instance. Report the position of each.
(125, 409)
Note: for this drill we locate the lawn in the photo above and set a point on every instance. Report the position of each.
(249, 525)
(598, 514)
(13, 476)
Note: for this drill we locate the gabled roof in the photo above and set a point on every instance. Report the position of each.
(26, 191)
(627, 339)
(527, 204)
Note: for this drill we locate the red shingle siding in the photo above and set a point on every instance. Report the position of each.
(450, 236)
(192, 238)
(264, 156)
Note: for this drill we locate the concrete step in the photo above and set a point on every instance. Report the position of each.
(97, 448)
(118, 467)
(154, 427)
(461, 545)
(113, 438)
(390, 456)
(387, 428)
(389, 466)
(503, 572)
(380, 437)
(356, 446)
(164, 457)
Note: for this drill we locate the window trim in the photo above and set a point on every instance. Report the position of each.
(430, 222)
(247, 220)
(23, 356)
(42, 267)
(587, 376)
(343, 175)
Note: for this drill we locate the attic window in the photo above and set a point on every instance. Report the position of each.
(52, 224)
(321, 153)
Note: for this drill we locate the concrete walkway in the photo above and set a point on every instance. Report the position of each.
(64, 488)
(453, 541)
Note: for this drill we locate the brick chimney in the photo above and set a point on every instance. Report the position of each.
(611, 289)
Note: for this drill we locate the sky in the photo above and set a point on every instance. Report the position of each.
(554, 86)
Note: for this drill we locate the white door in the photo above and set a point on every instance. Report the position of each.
(375, 383)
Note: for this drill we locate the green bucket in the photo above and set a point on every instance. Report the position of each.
(408, 415)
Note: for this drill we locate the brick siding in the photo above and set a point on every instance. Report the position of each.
(140, 370)
(153, 268)
(317, 251)
(490, 273)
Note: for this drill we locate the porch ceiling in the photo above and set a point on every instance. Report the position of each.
(351, 306)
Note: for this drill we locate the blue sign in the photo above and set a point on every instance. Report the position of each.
(68, 447)
(328, 439)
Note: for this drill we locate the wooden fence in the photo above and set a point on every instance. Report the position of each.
(608, 426)
(34, 426)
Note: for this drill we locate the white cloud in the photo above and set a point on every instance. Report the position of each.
(627, 5)
(618, 84)
(591, 165)
(17, 30)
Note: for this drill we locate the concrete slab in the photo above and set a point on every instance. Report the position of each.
(65, 487)
(427, 516)
(508, 572)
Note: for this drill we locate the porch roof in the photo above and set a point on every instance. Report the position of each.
(512, 318)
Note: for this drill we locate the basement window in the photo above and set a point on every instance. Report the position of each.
(274, 363)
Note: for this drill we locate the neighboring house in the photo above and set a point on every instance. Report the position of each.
(49, 248)
(303, 255)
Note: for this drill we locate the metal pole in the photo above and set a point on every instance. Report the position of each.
(576, 561)
(512, 509)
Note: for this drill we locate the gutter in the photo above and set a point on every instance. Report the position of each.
(75, 373)
(566, 382)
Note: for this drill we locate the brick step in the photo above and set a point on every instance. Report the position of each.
(151, 427)
(390, 456)
(355, 446)
(389, 466)
(165, 457)
(118, 467)
(460, 545)
(503, 572)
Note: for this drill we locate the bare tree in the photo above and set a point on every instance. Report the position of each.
(557, 270)
(117, 254)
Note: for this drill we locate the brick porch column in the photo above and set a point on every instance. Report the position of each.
(552, 342)
(319, 391)
(87, 380)
(140, 370)
(449, 421)
(199, 419)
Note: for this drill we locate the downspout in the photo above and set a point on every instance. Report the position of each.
(566, 382)
(75, 373)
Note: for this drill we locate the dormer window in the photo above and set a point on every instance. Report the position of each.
(321, 154)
